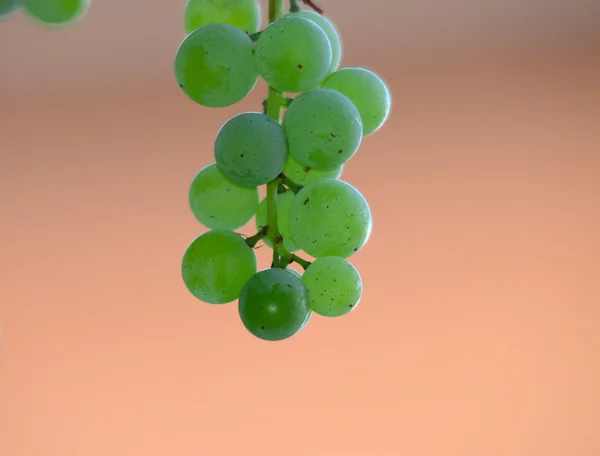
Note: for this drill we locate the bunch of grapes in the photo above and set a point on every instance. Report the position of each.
(299, 156)
(53, 13)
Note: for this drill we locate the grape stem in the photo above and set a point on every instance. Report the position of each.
(275, 262)
(275, 10)
(253, 240)
(272, 228)
(272, 107)
(310, 4)
(293, 186)
(301, 261)
(295, 6)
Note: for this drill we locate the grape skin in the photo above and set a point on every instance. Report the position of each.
(293, 54)
(218, 203)
(8, 8)
(330, 218)
(367, 91)
(242, 14)
(310, 312)
(329, 29)
(215, 65)
(303, 175)
(57, 12)
(217, 265)
(307, 319)
(250, 149)
(323, 129)
(284, 201)
(334, 286)
(273, 304)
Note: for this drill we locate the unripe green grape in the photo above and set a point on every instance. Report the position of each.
(284, 201)
(323, 129)
(307, 319)
(304, 175)
(57, 12)
(9, 7)
(215, 65)
(217, 265)
(367, 91)
(250, 149)
(334, 286)
(218, 203)
(329, 29)
(243, 14)
(293, 54)
(273, 304)
(330, 218)
(310, 312)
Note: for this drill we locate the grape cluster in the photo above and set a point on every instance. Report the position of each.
(327, 111)
(52, 13)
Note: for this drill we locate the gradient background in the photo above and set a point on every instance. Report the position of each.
(478, 331)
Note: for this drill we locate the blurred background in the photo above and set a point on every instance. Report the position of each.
(478, 331)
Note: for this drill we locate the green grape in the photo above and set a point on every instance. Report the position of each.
(273, 304)
(9, 7)
(310, 312)
(243, 14)
(216, 265)
(329, 29)
(218, 203)
(330, 218)
(57, 12)
(334, 286)
(308, 317)
(323, 129)
(250, 149)
(284, 201)
(215, 65)
(304, 175)
(367, 91)
(293, 54)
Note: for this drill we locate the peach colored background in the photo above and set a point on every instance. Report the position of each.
(478, 332)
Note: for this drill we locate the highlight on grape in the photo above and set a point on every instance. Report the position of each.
(49, 13)
(299, 156)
